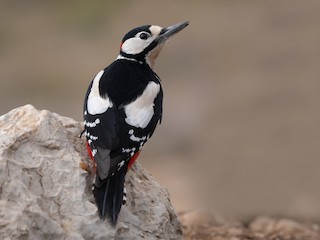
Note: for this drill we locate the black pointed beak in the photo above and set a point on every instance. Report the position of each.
(168, 32)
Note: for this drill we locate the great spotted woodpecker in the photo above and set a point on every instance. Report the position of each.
(122, 108)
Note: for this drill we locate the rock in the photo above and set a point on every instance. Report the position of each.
(283, 228)
(199, 225)
(44, 193)
(205, 226)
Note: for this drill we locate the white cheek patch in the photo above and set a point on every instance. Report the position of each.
(96, 104)
(134, 45)
(139, 112)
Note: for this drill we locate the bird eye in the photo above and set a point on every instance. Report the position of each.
(144, 36)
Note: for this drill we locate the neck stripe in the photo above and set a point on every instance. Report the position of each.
(127, 58)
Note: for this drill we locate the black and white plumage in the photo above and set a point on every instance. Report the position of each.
(122, 108)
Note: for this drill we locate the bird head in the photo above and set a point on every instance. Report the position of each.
(144, 43)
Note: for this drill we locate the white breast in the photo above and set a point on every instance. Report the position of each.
(96, 104)
(139, 112)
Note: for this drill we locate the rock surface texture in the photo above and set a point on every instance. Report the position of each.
(44, 194)
(197, 225)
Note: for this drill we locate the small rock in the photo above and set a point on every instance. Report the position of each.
(199, 225)
(272, 228)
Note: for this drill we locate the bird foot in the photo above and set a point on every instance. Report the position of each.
(87, 167)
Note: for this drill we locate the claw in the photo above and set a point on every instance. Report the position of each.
(84, 166)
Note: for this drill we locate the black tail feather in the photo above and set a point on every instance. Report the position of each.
(108, 195)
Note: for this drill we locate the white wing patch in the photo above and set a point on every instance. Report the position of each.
(96, 104)
(139, 112)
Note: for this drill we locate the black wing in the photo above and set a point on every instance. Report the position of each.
(102, 133)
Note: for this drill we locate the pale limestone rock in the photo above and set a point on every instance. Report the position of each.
(44, 193)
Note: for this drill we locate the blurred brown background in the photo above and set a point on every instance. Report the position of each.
(240, 134)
